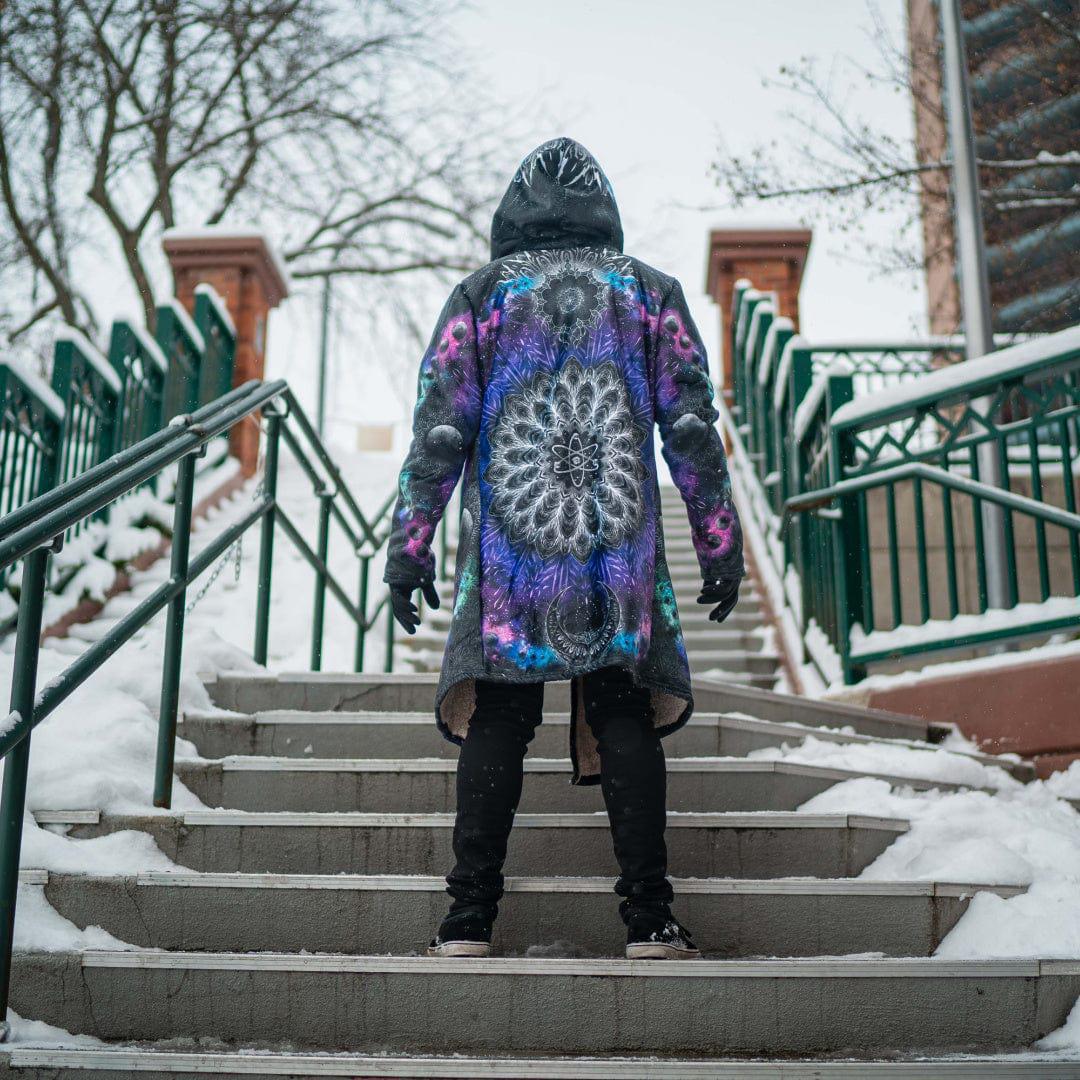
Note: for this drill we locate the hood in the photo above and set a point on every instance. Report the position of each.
(559, 197)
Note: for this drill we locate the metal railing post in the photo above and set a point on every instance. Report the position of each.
(13, 800)
(322, 550)
(174, 633)
(974, 285)
(266, 541)
(847, 540)
(361, 626)
(388, 663)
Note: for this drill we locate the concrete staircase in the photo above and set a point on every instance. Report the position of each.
(739, 651)
(291, 941)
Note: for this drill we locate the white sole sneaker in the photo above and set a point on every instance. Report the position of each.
(460, 948)
(657, 951)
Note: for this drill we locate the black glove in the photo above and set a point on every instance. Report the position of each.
(405, 611)
(724, 593)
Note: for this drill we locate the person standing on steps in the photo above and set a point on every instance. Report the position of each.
(545, 375)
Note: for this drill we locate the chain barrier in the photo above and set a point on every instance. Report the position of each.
(235, 552)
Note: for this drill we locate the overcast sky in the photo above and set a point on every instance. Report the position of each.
(651, 89)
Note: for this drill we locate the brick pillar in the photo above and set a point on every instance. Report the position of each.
(772, 259)
(248, 276)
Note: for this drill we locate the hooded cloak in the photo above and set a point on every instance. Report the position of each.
(543, 380)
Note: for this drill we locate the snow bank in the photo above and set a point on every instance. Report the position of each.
(1067, 1037)
(1044, 922)
(1066, 784)
(35, 1033)
(1017, 836)
(891, 760)
(40, 927)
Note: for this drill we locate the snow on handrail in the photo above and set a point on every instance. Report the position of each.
(186, 322)
(146, 343)
(36, 385)
(781, 322)
(784, 368)
(809, 405)
(216, 302)
(92, 355)
(972, 377)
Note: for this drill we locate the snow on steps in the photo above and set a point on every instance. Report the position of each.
(376, 735)
(766, 844)
(274, 927)
(427, 785)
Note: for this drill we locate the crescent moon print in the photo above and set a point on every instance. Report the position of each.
(566, 471)
(581, 624)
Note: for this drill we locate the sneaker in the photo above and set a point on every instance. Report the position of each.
(465, 933)
(655, 934)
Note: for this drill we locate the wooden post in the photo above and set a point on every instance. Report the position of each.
(250, 278)
(772, 259)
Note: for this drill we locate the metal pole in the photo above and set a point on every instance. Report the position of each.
(361, 626)
(324, 339)
(974, 280)
(388, 663)
(323, 551)
(174, 634)
(266, 541)
(13, 800)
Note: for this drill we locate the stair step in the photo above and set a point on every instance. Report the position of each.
(395, 914)
(413, 734)
(424, 786)
(696, 617)
(712, 696)
(50, 1064)
(750, 669)
(757, 845)
(342, 1002)
(248, 692)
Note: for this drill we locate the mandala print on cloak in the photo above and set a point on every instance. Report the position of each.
(567, 289)
(566, 476)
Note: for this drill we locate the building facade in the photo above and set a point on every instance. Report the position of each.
(1024, 70)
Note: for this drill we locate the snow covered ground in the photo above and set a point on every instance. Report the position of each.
(1022, 835)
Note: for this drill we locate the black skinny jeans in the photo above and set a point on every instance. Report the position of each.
(489, 779)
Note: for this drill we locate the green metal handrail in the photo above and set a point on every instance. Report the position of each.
(36, 528)
(813, 500)
(807, 417)
(832, 533)
(105, 405)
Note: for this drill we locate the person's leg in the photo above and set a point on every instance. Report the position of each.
(489, 778)
(633, 777)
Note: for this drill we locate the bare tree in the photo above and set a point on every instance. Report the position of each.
(333, 123)
(838, 164)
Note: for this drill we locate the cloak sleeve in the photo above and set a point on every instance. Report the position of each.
(692, 447)
(445, 422)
